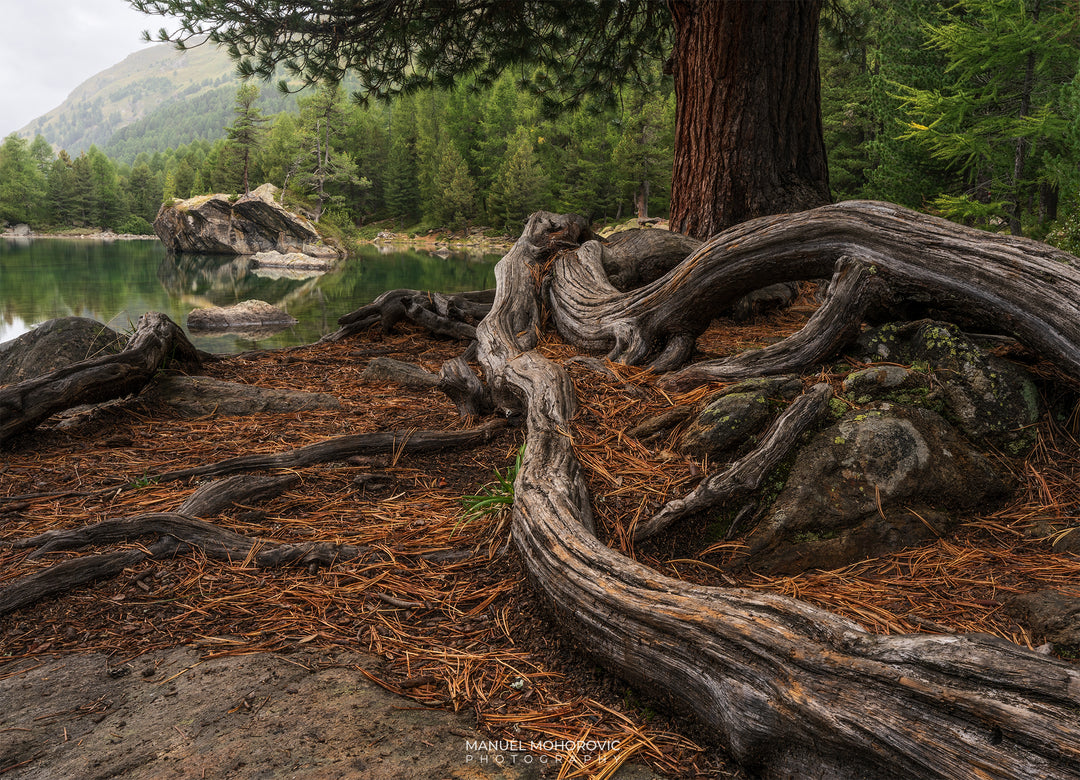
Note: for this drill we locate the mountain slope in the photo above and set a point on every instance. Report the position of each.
(154, 99)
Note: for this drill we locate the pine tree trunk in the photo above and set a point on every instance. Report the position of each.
(748, 136)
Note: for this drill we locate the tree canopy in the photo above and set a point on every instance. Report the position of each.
(749, 134)
(396, 47)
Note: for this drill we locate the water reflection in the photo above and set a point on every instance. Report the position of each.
(116, 282)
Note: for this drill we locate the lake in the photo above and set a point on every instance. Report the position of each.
(115, 282)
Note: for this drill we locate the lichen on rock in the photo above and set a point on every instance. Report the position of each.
(252, 223)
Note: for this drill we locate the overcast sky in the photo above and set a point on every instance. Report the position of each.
(49, 47)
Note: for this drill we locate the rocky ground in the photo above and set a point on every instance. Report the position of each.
(185, 666)
(309, 715)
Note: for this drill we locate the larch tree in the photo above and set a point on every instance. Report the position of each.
(1001, 119)
(748, 136)
(245, 134)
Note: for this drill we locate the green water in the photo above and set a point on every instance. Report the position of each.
(116, 282)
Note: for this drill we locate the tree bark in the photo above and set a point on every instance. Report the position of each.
(792, 690)
(748, 130)
(1007, 284)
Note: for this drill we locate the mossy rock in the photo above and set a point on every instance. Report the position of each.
(55, 344)
(880, 479)
(990, 400)
(730, 422)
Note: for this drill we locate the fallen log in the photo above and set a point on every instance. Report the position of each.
(790, 689)
(157, 342)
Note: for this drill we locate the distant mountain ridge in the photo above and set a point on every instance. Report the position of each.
(152, 100)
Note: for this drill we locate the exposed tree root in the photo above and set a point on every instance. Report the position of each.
(1024, 288)
(343, 447)
(156, 343)
(791, 689)
(836, 322)
(745, 475)
(183, 528)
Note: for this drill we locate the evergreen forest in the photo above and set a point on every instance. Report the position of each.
(969, 110)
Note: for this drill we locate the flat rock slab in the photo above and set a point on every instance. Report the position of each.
(199, 396)
(297, 260)
(168, 715)
(246, 314)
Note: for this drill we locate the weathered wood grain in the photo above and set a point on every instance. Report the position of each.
(156, 342)
(792, 690)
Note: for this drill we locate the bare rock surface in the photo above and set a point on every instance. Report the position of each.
(171, 715)
(1050, 615)
(252, 223)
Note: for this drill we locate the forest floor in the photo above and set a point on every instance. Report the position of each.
(204, 668)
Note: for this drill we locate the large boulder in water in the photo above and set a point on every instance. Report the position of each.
(226, 225)
(55, 344)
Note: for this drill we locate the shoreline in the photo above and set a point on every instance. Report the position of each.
(432, 244)
(99, 235)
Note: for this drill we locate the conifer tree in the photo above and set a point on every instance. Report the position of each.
(1000, 115)
(22, 185)
(454, 201)
(245, 134)
(521, 185)
(323, 169)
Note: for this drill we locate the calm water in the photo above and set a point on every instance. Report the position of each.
(116, 282)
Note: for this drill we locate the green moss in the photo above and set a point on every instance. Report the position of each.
(716, 531)
(804, 537)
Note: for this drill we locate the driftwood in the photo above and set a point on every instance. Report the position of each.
(792, 690)
(444, 315)
(156, 342)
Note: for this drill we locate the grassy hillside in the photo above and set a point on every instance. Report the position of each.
(154, 99)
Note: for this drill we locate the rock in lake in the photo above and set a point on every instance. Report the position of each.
(248, 314)
(252, 223)
(294, 260)
(55, 344)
